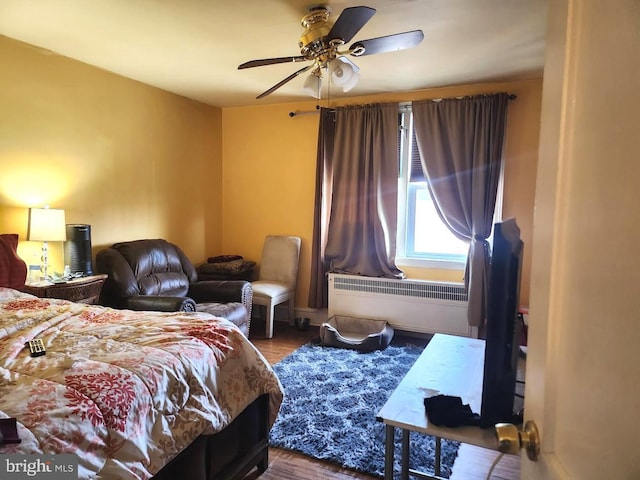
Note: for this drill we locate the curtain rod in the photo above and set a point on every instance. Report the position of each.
(311, 112)
(511, 96)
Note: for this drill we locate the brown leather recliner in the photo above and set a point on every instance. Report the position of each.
(157, 275)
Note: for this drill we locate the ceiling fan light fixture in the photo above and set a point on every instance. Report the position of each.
(344, 73)
(355, 78)
(321, 41)
(312, 86)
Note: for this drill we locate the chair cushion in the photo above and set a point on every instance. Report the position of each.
(153, 267)
(279, 262)
(263, 288)
(355, 333)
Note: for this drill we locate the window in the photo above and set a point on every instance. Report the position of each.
(423, 238)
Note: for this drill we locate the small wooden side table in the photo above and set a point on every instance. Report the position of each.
(80, 290)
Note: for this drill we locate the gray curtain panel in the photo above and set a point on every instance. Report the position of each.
(318, 288)
(361, 235)
(460, 142)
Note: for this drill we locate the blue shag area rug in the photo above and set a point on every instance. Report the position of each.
(331, 399)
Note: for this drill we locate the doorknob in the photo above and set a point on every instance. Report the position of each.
(511, 440)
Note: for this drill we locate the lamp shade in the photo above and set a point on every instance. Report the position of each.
(353, 81)
(344, 73)
(46, 225)
(312, 86)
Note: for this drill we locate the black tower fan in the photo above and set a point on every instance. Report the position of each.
(77, 249)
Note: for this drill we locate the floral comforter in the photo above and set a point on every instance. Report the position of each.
(124, 391)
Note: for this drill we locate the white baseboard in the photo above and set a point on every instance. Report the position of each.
(316, 316)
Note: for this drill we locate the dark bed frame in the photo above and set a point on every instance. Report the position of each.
(227, 455)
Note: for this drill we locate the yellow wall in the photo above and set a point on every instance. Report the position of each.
(269, 162)
(131, 160)
(135, 162)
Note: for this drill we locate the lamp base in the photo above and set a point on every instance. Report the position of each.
(45, 259)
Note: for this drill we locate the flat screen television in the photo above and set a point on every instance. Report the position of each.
(502, 334)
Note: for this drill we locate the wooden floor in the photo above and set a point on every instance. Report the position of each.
(472, 463)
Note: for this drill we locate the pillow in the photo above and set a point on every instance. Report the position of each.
(13, 270)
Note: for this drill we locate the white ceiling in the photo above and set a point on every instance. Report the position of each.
(193, 47)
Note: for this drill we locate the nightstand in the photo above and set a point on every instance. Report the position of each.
(80, 290)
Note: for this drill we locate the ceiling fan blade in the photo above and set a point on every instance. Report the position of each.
(398, 41)
(271, 61)
(350, 21)
(282, 82)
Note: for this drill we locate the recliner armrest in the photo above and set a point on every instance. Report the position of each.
(160, 303)
(218, 290)
(222, 291)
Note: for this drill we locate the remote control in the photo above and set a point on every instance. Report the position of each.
(36, 347)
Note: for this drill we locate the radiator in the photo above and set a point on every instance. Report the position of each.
(411, 305)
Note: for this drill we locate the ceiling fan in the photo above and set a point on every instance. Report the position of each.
(321, 42)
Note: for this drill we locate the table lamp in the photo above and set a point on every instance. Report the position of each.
(46, 225)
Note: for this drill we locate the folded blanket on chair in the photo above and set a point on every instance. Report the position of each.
(231, 267)
(223, 258)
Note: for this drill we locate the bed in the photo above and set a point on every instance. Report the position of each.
(134, 395)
